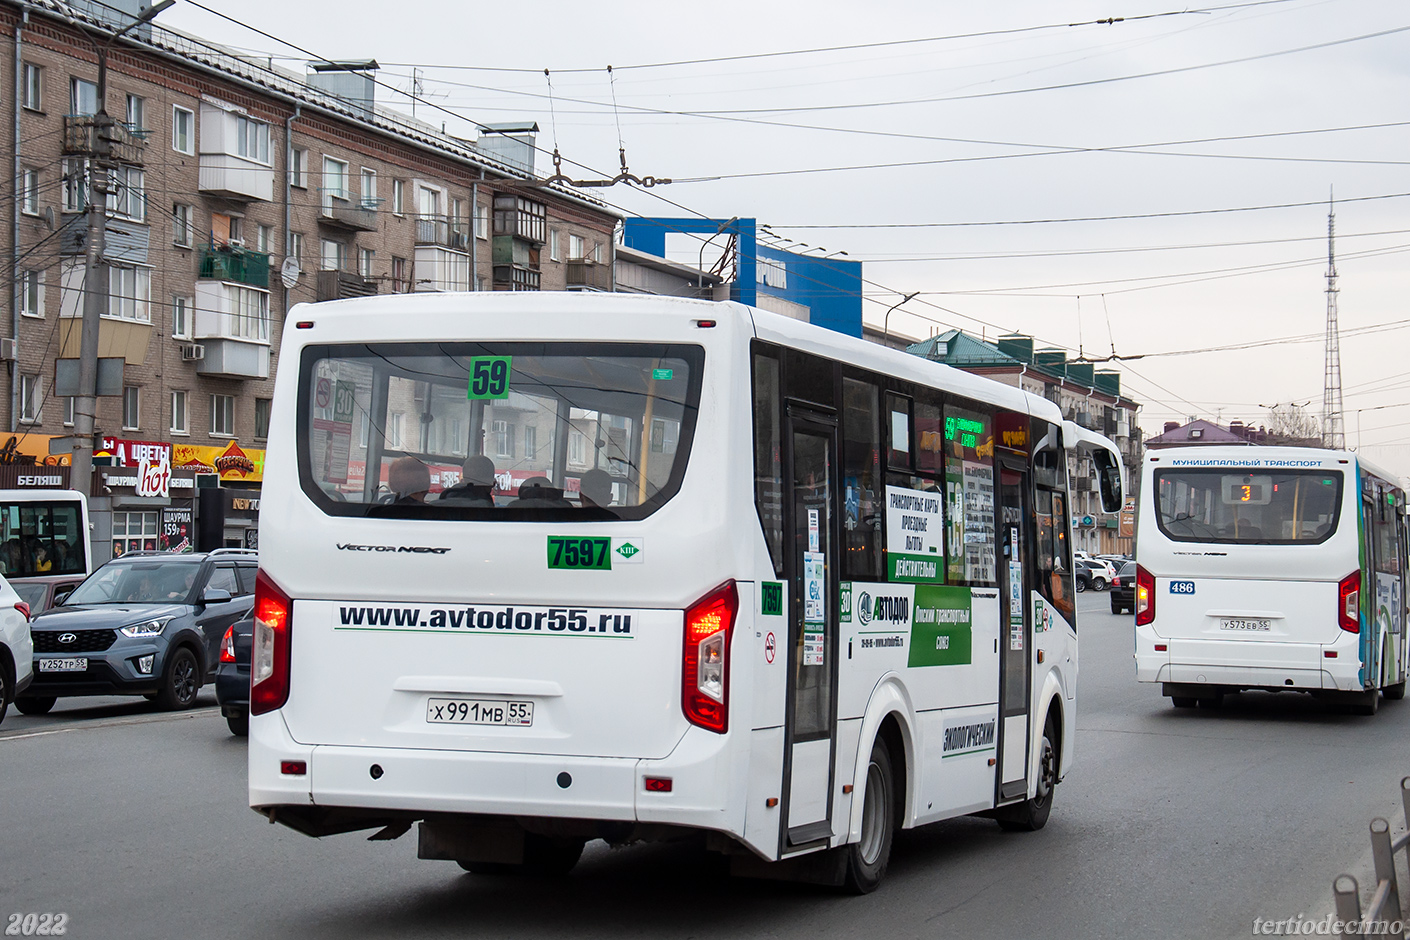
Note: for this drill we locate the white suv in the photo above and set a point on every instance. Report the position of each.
(16, 647)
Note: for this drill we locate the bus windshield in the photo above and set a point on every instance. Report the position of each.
(502, 431)
(41, 537)
(1289, 507)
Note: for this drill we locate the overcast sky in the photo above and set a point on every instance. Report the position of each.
(989, 139)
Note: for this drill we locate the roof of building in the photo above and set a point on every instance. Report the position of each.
(283, 83)
(961, 350)
(957, 348)
(1198, 431)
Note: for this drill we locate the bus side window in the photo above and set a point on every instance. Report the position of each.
(768, 443)
(898, 428)
(863, 489)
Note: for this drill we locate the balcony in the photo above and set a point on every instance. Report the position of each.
(84, 136)
(236, 177)
(438, 230)
(514, 277)
(232, 322)
(337, 211)
(588, 275)
(440, 269)
(518, 217)
(232, 263)
(340, 285)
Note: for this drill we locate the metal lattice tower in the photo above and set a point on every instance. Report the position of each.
(1333, 428)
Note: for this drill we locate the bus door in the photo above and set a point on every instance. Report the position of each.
(1015, 637)
(810, 479)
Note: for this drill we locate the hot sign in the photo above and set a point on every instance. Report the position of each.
(154, 479)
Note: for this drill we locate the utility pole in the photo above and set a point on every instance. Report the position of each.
(1333, 427)
(103, 132)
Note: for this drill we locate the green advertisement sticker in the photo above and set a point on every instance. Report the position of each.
(489, 378)
(663, 374)
(941, 632)
(919, 569)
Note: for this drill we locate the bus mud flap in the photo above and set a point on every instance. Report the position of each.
(828, 867)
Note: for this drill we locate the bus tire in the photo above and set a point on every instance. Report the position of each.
(1032, 814)
(1369, 704)
(868, 857)
(1394, 693)
(1184, 701)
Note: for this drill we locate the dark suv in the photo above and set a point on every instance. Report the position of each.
(148, 623)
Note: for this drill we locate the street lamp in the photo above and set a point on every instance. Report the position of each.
(886, 321)
(95, 283)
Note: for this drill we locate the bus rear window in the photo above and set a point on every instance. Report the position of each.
(496, 431)
(1288, 507)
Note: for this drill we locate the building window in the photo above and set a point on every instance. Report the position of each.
(335, 178)
(398, 197)
(597, 252)
(83, 96)
(223, 415)
(131, 408)
(262, 418)
(183, 126)
(127, 194)
(400, 284)
(75, 184)
(181, 317)
(178, 413)
(482, 282)
(575, 248)
(482, 221)
(520, 217)
(365, 257)
(296, 248)
(264, 238)
(553, 244)
(249, 313)
(577, 448)
(394, 429)
(68, 411)
(33, 87)
(136, 112)
(30, 399)
(29, 192)
(183, 227)
(134, 532)
(369, 188)
(531, 442)
(503, 439)
(333, 255)
(457, 215)
(251, 139)
(298, 168)
(32, 293)
(130, 293)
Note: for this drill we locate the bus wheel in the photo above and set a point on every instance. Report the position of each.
(1032, 815)
(1184, 701)
(1394, 693)
(1370, 703)
(867, 859)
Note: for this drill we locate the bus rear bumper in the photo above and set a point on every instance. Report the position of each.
(1236, 664)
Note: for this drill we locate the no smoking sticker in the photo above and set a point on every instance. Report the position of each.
(770, 646)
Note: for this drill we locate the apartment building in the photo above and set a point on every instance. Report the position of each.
(241, 189)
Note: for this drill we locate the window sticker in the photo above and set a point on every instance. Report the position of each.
(489, 378)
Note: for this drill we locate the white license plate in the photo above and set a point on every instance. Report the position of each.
(63, 665)
(469, 711)
(1246, 626)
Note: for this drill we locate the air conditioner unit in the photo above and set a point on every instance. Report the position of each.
(236, 243)
(9, 350)
(193, 353)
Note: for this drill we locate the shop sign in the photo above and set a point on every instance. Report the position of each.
(231, 462)
(127, 453)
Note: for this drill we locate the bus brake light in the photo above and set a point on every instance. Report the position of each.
(1145, 596)
(1349, 603)
(269, 654)
(705, 658)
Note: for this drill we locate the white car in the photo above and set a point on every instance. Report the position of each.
(1103, 571)
(16, 647)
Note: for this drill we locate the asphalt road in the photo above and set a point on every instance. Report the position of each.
(1180, 824)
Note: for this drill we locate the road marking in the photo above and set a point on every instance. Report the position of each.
(109, 723)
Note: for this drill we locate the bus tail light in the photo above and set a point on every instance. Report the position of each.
(1349, 603)
(705, 658)
(1145, 597)
(269, 655)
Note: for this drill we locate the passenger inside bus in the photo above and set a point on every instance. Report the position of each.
(410, 481)
(476, 486)
(539, 493)
(595, 488)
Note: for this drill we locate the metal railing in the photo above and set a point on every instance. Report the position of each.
(229, 263)
(1385, 900)
(439, 230)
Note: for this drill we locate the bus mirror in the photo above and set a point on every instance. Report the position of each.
(1108, 479)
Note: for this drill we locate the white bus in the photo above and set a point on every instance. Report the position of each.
(43, 533)
(537, 569)
(1275, 568)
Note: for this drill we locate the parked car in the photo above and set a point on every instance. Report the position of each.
(46, 591)
(1123, 589)
(1082, 573)
(232, 676)
(148, 623)
(16, 647)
